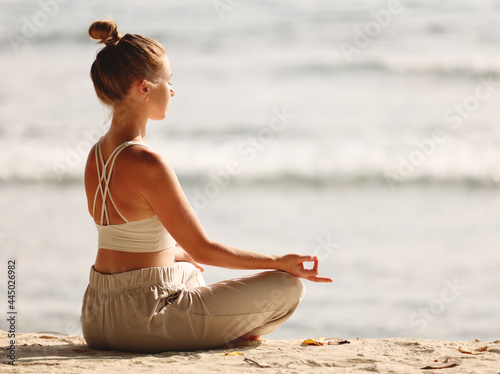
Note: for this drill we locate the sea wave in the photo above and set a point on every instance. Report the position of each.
(291, 159)
(219, 179)
(318, 50)
(411, 66)
(382, 65)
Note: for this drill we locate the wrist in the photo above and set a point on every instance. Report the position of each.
(277, 262)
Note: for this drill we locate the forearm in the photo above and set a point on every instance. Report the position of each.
(217, 254)
(222, 255)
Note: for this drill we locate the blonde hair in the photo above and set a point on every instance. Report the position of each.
(122, 61)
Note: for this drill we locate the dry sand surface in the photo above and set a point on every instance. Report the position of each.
(47, 353)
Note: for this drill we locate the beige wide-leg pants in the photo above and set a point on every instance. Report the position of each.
(163, 309)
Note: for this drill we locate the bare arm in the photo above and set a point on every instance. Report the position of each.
(162, 190)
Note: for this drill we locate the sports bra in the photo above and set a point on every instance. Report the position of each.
(146, 235)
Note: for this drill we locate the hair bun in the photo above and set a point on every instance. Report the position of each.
(105, 31)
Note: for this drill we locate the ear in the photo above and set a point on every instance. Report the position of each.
(140, 89)
(143, 86)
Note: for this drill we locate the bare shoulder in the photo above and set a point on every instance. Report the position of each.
(144, 161)
(148, 168)
(135, 164)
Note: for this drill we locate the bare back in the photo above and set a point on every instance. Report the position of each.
(127, 201)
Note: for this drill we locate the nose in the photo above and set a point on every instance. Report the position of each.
(172, 92)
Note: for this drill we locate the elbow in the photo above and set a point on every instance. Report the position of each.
(202, 252)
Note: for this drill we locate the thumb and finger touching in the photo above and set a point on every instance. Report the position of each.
(310, 274)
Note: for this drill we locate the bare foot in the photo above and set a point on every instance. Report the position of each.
(245, 340)
(250, 338)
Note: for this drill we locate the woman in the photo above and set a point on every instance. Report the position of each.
(146, 292)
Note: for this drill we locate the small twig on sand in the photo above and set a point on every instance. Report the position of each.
(255, 363)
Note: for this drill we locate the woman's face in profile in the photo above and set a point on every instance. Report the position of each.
(161, 92)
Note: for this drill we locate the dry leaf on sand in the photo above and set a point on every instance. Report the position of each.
(336, 341)
(317, 341)
(325, 341)
(233, 353)
(477, 351)
(448, 363)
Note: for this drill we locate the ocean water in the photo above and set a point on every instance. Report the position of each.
(363, 131)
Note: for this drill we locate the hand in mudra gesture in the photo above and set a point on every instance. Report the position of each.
(295, 264)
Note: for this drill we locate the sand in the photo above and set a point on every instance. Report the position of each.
(50, 353)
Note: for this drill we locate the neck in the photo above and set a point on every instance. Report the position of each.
(128, 124)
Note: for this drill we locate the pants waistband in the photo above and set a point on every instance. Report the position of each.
(132, 278)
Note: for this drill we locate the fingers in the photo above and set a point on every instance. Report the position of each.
(320, 279)
(200, 267)
(309, 272)
(314, 259)
(312, 273)
(307, 258)
(197, 265)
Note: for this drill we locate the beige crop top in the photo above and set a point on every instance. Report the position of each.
(146, 235)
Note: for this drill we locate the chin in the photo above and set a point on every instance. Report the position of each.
(159, 117)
